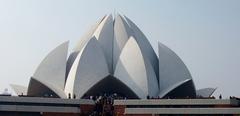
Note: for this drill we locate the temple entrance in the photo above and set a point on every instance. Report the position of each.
(108, 86)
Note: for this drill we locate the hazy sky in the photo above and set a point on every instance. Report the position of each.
(204, 33)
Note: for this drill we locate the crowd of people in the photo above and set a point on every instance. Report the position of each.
(104, 104)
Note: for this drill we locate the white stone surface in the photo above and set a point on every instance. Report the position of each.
(113, 47)
(81, 43)
(104, 35)
(205, 92)
(122, 33)
(131, 69)
(88, 69)
(172, 70)
(145, 46)
(51, 71)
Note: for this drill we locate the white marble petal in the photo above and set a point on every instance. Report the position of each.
(81, 43)
(122, 32)
(172, 70)
(145, 46)
(131, 70)
(205, 92)
(89, 68)
(104, 35)
(51, 71)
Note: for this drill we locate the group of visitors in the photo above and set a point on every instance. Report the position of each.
(104, 104)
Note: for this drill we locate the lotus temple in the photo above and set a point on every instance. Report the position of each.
(114, 71)
(114, 56)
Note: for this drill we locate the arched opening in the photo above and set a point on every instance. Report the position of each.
(111, 85)
(186, 90)
(37, 89)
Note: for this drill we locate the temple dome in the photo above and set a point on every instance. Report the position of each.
(114, 56)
